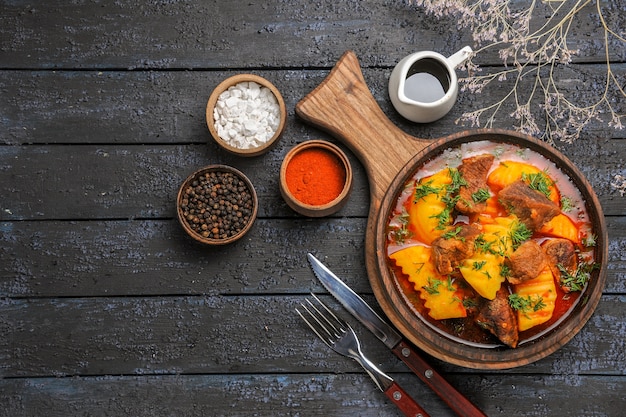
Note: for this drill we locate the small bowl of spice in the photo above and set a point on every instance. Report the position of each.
(246, 114)
(316, 178)
(216, 205)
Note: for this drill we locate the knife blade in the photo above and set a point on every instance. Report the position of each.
(352, 302)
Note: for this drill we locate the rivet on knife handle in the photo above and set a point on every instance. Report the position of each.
(455, 400)
(404, 402)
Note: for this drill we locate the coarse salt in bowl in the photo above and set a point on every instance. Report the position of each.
(246, 114)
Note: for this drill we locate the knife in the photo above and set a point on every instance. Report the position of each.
(352, 302)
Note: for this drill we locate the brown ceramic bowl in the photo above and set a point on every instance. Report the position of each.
(493, 355)
(308, 207)
(206, 187)
(260, 148)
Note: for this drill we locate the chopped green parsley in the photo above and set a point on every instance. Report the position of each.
(526, 304)
(481, 195)
(519, 234)
(538, 182)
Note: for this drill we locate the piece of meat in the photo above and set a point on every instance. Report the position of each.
(449, 252)
(560, 252)
(526, 262)
(474, 171)
(498, 317)
(533, 208)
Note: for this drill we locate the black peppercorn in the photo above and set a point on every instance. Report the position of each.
(217, 205)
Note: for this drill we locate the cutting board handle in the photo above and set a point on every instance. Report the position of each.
(343, 106)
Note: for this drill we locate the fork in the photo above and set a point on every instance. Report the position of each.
(340, 337)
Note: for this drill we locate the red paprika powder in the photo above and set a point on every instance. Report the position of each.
(315, 176)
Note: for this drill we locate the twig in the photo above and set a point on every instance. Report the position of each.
(532, 53)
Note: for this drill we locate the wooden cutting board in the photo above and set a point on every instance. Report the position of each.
(343, 106)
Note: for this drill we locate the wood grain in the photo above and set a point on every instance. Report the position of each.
(285, 395)
(107, 308)
(219, 334)
(218, 34)
(154, 257)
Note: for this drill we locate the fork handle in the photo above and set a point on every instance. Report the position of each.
(460, 404)
(404, 402)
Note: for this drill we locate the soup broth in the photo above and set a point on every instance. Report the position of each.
(427, 217)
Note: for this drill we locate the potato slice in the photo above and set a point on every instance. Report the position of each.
(561, 226)
(438, 292)
(427, 212)
(482, 272)
(540, 294)
(483, 269)
(510, 171)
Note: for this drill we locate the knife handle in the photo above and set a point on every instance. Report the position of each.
(404, 402)
(455, 400)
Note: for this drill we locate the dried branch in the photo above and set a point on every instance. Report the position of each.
(535, 54)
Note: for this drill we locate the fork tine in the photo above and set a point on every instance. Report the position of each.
(314, 327)
(338, 321)
(320, 322)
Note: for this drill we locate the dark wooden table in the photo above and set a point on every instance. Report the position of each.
(108, 309)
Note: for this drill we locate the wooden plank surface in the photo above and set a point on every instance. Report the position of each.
(120, 181)
(107, 308)
(130, 107)
(129, 258)
(289, 395)
(228, 334)
(220, 34)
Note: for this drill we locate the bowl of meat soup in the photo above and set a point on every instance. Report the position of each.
(493, 251)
